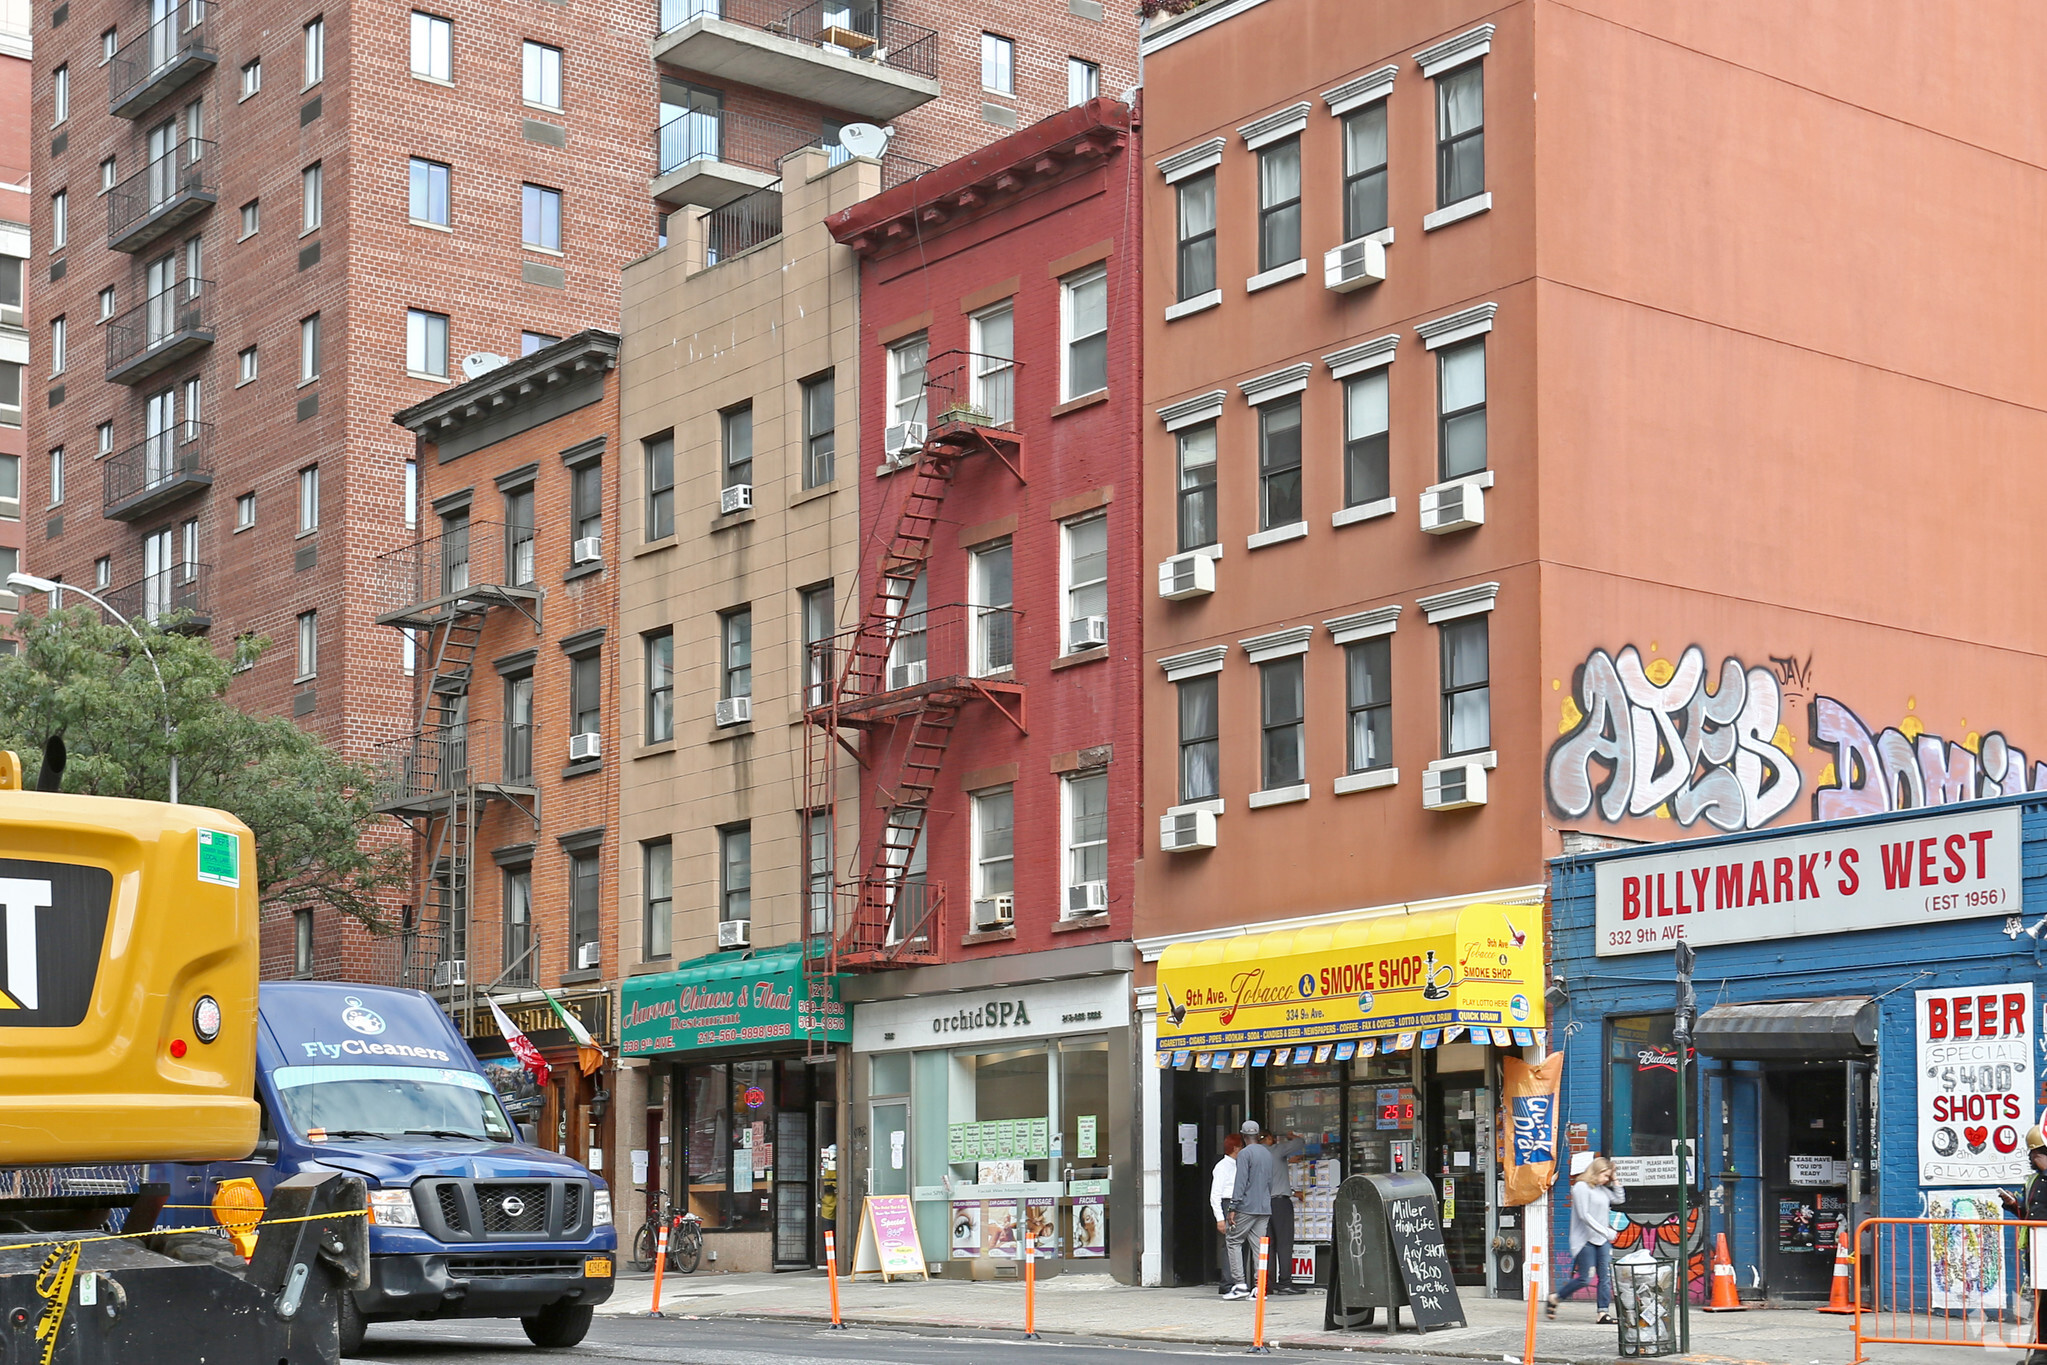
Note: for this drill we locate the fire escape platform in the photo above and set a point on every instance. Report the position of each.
(886, 707)
(955, 435)
(470, 601)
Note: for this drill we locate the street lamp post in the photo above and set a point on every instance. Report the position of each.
(30, 583)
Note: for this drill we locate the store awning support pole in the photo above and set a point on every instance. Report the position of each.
(1687, 1009)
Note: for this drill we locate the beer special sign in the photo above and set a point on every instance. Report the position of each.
(1927, 869)
(1975, 1083)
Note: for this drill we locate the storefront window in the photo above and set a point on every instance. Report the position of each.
(706, 1090)
(1382, 1115)
(1013, 1084)
(1084, 1105)
(1641, 1086)
(752, 1146)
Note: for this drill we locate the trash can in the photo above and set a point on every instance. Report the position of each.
(1645, 1304)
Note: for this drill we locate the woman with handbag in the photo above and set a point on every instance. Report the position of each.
(1594, 1192)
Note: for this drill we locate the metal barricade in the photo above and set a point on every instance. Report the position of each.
(1645, 1303)
(1940, 1282)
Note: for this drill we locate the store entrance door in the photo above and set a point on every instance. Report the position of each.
(1455, 1100)
(1805, 1175)
(889, 1154)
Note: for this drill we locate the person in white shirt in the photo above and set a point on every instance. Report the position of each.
(1594, 1192)
(1222, 1184)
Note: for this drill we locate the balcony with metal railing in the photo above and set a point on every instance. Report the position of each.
(894, 665)
(172, 52)
(709, 157)
(442, 765)
(177, 598)
(159, 332)
(158, 472)
(466, 570)
(843, 54)
(163, 196)
(743, 224)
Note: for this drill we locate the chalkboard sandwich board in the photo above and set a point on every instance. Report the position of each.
(1389, 1254)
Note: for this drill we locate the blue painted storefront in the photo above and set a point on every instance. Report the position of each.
(1888, 964)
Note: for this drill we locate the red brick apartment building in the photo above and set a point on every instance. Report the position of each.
(1526, 472)
(507, 604)
(16, 49)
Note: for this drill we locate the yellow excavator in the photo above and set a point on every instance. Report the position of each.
(128, 971)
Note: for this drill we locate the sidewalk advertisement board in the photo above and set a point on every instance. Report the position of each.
(888, 1244)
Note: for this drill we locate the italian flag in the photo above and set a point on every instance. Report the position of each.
(522, 1046)
(589, 1056)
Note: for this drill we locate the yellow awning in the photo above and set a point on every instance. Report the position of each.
(1480, 965)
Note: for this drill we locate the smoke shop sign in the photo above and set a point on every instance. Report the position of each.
(1927, 869)
(727, 1001)
(1080, 1005)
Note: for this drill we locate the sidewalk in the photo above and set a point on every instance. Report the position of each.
(1071, 1305)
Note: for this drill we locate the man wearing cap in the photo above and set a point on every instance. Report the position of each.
(1250, 1210)
(1283, 1151)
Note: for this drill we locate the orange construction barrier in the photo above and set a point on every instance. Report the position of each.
(1258, 1345)
(1030, 1289)
(1844, 1295)
(831, 1273)
(1529, 1285)
(1725, 1299)
(1923, 1284)
(660, 1264)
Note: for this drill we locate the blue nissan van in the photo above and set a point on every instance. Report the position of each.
(468, 1220)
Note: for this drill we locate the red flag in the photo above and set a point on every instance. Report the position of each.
(522, 1046)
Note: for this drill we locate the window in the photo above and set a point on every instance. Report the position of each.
(56, 477)
(1197, 236)
(1085, 317)
(309, 348)
(586, 693)
(1642, 1058)
(429, 192)
(1368, 666)
(195, 119)
(660, 487)
(302, 942)
(252, 219)
(10, 290)
(906, 379)
(994, 621)
(816, 606)
(519, 536)
(245, 511)
(315, 61)
(1083, 81)
(245, 362)
(1282, 722)
(1467, 698)
(998, 64)
(583, 891)
(736, 444)
(10, 485)
(10, 393)
(311, 211)
(518, 764)
(542, 68)
(529, 342)
(735, 873)
(309, 644)
(1460, 135)
(252, 77)
(105, 431)
(586, 501)
(1364, 171)
(1087, 582)
(60, 220)
(1279, 204)
(1460, 432)
(994, 843)
(433, 47)
(540, 217)
(102, 572)
(194, 265)
(994, 344)
(108, 175)
(660, 650)
(1087, 843)
(1279, 463)
(818, 825)
(10, 564)
(518, 959)
(110, 43)
(60, 95)
(1365, 474)
(657, 860)
(1197, 487)
(58, 349)
(1200, 740)
(820, 432)
(309, 499)
(426, 343)
(106, 303)
(735, 636)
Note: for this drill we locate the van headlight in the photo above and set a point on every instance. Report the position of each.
(393, 1208)
(600, 1209)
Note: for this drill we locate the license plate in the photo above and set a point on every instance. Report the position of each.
(597, 1268)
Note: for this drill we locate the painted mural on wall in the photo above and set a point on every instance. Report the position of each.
(1676, 740)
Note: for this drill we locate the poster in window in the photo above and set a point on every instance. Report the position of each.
(742, 1162)
(1084, 1142)
(1041, 1225)
(1001, 1227)
(956, 1142)
(1006, 1171)
(1965, 1268)
(1975, 1083)
(1090, 1225)
(966, 1229)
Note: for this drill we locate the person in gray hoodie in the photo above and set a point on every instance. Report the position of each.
(1250, 1210)
(1594, 1192)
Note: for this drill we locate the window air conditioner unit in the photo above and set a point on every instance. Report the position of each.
(735, 710)
(995, 912)
(903, 440)
(1453, 786)
(588, 956)
(1452, 507)
(1183, 830)
(1186, 576)
(737, 498)
(453, 972)
(910, 674)
(590, 744)
(1087, 898)
(587, 550)
(1354, 265)
(735, 933)
(1085, 632)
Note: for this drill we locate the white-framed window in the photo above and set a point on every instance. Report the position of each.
(541, 75)
(302, 942)
(58, 349)
(110, 43)
(105, 432)
(245, 511)
(657, 860)
(252, 77)
(735, 644)
(540, 217)
(529, 342)
(1084, 808)
(311, 206)
(10, 484)
(1084, 332)
(1460, 135)
(309, 499)
(410, 494)
(991, 573)
(106, 303)
(1368, 702)
(56, 478)
(314, 65)
(245, 362)
(1279, 204)
(433, 47)
(1366, 475)
(1196, 251)
(994, 346)
(103, 572)
(906, 361)
(998, 64)
(252, 219)
(1282, 722)
(309, 348)
(309, 645)
(60, 95)
(909, 657)
(818, 873)
(60, 220)
(1200, 738)
(735, 872)
(659, 650)
(1197, 510)
(426, 343)
(815, 604)
(1279, 462)
(1084, 581)
(1083, 81)
(1364, 171)
(1460, 433)
(109, 175)
(994, 842)
(1467, 690)
(428, 196)
(10, 393)
(735, 445)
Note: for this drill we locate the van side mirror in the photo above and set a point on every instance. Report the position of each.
(529, 1133)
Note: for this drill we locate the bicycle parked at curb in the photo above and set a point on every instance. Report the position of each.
(685, 1239)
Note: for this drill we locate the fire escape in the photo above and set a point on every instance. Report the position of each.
(891, 690)
(441, 778)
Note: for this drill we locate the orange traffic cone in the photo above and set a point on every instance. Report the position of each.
(1724, 1298)
(1843, 1297)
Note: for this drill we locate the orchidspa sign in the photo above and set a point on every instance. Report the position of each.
(1927, 869)
(1975, 1083)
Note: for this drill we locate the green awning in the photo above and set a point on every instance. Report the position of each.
(731, 1000)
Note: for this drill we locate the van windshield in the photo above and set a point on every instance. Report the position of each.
(391, 1101)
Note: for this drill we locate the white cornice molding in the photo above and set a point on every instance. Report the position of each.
(1475, 600)
(1192, 161)
(1363, 625)
(1373, 85)
(1366, 355)
(1465, 322)
(1195, 663)
(1164, 35)
(1468, 46)
(1277, 384)
(1262, 132)
(1188, 412)
(1280, 644)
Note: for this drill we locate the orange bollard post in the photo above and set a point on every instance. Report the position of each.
(1840, 1301)
(1725, 1299)
(831, 1272)
(1030, 1290)
(660, 1264)
(1258, 1346)
(1529, 1291)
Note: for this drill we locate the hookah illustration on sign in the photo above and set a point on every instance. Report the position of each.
(1436, 977)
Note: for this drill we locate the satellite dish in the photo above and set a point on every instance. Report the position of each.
(864, 139)
(481, 362)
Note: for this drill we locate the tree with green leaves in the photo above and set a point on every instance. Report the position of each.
(310, 808)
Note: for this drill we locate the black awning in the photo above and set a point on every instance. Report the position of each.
(1838, 1026)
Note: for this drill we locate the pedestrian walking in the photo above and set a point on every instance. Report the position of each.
(1284, 1150)
(2031, 1205)
(1222, 1187)
(1250, 1209)
(1594, 1192)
